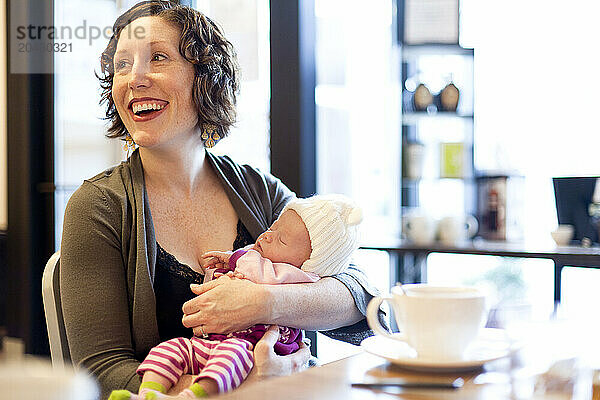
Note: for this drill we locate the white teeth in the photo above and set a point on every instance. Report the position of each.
(146, 106)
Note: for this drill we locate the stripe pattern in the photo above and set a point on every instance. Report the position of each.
(227, 362)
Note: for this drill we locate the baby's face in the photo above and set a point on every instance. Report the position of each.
(287, 240)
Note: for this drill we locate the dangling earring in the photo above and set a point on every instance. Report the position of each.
(210, 135)
(129, 144)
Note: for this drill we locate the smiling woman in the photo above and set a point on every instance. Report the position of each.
(151, 51)
(134, 235)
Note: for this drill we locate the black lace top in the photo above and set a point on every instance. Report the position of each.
(172, 287)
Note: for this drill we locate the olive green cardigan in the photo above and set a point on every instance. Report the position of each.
(108, 257)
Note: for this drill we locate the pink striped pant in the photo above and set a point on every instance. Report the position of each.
(228, 362)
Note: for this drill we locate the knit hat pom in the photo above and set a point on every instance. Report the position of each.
(355, 217)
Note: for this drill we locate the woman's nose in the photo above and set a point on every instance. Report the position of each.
(139, 76)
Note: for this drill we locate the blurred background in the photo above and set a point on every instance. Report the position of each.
(478, 91)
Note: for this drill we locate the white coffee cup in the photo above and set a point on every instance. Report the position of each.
(438, 322)
(419, 229)
(454, 229)
(414, 158)
(563, 234)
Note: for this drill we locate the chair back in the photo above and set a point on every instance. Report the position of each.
(59, 346)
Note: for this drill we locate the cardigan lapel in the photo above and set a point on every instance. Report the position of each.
(142, 254)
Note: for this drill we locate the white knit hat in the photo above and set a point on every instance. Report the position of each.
(332, 223)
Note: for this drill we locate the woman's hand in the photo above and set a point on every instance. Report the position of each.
(226, 305)
(268, 364)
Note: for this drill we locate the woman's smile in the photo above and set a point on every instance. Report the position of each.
(146, 108)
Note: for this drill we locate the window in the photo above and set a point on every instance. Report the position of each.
(246, 25)
(81, 149)
(358, 108)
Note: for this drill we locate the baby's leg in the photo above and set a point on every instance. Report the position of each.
(153, 383)
(229, 363)
(161, 369)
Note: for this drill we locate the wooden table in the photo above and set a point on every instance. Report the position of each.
(333, 382)
(409, 261)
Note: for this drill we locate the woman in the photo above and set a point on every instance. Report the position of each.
(132, 232)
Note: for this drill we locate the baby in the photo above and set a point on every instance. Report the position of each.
(312, 238)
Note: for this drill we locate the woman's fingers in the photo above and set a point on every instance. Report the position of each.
(200, 289)
(191, 307)
(195, 320)
(270, 364)
(225, 305)
(200, 331)
(192, 321)
(265, 345)
(297, 361)
(300, 362)
(266, 362)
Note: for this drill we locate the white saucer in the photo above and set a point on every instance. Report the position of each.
(492, 344)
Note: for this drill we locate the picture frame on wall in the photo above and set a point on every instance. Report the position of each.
(430, 21)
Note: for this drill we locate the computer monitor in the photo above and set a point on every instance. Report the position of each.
(573, 197)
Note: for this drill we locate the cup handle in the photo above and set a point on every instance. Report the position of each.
(472, 226)
(372, 318)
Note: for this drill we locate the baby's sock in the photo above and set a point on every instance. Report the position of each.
(148, 390)
(195, 391)
(121, 395)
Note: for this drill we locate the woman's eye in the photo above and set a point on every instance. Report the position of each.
(158, 57)
(119, 65)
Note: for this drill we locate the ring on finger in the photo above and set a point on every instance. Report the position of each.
(204, 334)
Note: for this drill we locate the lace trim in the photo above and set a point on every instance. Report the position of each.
(243, 237)
(170, 263)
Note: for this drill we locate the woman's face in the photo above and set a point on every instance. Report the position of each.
(152, 85)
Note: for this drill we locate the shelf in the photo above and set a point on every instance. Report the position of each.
(411, 51)
(411, 118)
(413, 181)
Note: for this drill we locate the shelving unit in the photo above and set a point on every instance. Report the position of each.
(446, 180)
(412, 118)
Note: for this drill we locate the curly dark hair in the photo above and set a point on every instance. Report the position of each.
(203, 44)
